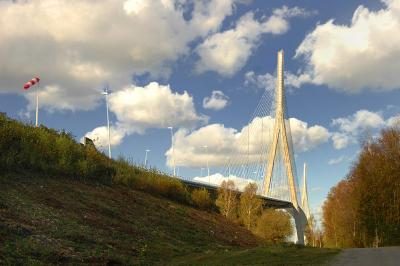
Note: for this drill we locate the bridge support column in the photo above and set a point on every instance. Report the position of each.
(300, 221)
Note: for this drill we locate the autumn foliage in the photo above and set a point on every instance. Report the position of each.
(274, 225)
(364, 209)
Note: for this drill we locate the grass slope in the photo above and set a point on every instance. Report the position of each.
(45, 220)
(60, 221)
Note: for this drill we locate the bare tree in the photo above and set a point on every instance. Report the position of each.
(227, 201)
(250, 206)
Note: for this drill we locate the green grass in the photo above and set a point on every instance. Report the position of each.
(263, 255)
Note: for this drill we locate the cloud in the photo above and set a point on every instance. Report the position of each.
(393, 121)
(100, 136)
(217, 179)
(217, 101)
(362, 55)
(153, 106)
(226, 52)
(74, 46)
(226, 142)
(342, 140)
(316, 189)
(361, 120)
(350, 128)
(267, 81)
(337, 160)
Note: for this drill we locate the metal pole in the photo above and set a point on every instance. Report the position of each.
(145, 159)
(208, 167)
(106, 92)
(173, 151)
(37, 105)
(108, 127)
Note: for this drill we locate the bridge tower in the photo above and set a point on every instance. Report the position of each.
(281, 136)
(304, 194)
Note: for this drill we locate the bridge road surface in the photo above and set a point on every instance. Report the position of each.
(385, 256)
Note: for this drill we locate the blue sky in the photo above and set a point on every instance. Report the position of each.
(202, 67)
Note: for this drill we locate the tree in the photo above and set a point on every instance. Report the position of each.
(201, 198)
(250, 206)
(310, 232)
(364, 209)
(274, 225)
(227, 201)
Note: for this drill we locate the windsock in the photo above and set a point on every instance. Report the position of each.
(31, 83)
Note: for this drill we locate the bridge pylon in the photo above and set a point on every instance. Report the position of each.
(281, 136)
(304, 194)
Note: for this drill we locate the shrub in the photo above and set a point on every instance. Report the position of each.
(150, 180)
(201, 198)
(274, 226)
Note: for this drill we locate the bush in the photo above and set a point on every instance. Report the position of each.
(274, 226)
(201, 198)
(150, 180)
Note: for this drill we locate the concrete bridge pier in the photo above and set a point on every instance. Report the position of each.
(300, 221)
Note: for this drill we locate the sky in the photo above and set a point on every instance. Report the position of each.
(202, 67)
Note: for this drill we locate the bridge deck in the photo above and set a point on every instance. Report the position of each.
(267, 201)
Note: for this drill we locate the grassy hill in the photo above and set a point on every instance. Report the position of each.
(63, 203)
(53, 221)
(64, 221)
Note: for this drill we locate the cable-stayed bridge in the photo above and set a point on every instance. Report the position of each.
(263, 153)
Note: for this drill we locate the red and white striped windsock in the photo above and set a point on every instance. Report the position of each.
(31, 83)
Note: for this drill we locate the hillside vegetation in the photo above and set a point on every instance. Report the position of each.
(64, 203)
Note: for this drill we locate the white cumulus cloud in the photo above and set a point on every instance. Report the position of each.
(226, 52)
(74, 46)
(337, 160)
(267, 81)
(350, 128)
(362, 55)
(217, 179)
(99, 136)
(217, 101)
(153, 106)
(223, 142)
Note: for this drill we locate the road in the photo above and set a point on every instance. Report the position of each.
(386, 256)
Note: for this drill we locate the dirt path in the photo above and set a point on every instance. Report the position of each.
(386, 256)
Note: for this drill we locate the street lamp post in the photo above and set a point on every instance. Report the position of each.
(145, 159)
(173, 152)
(208, 167)
(106, 93)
